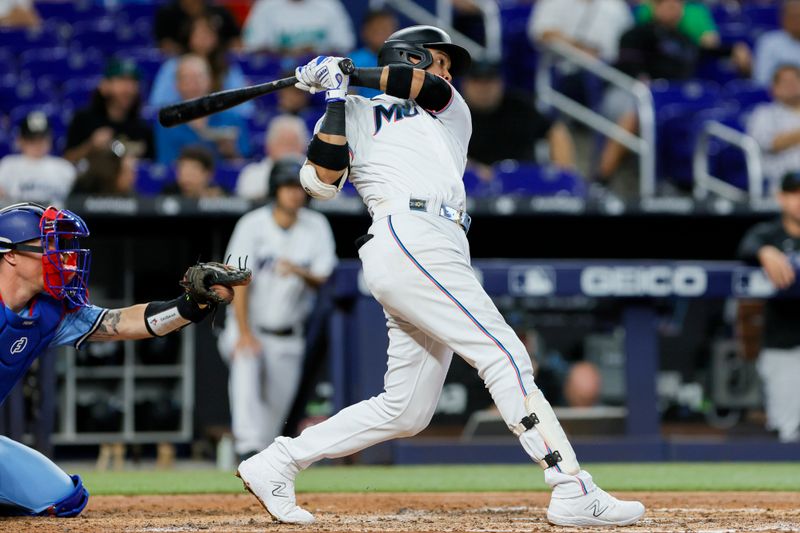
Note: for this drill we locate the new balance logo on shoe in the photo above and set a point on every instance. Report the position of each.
(279, 488)
(595, 507)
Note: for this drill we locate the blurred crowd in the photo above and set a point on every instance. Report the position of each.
(81, 85)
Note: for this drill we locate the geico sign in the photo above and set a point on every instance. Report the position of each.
(643, 281)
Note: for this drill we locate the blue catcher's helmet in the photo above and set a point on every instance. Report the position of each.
(65, 265)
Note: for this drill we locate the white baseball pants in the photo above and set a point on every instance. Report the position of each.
(417, 266)
(261, 387)
(779, 370)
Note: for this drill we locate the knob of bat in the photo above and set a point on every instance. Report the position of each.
(347, 66)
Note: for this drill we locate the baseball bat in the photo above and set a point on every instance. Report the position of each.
(182, 112)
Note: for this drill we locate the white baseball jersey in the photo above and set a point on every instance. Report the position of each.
(281, 301)
(46, 180)
(400, 150)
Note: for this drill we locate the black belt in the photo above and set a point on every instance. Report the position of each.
(288, 332)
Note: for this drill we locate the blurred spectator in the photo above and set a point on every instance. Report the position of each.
(653, 50)
(224, 133)
(174, 20)
(375, 29)
(593, 26)
(18, 14)
(204, 41)
(776, 125)
(291, 100)
(34, 175)
(287, 135)
(775, 245)
(112, 114)
(109, 172)
(507, 126)
(194, 172)
(298, 27)
(779, 47)
(583, 384)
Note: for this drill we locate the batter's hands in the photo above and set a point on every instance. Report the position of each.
(777, 266)
(323, 74)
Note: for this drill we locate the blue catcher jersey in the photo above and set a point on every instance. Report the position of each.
(45, 322)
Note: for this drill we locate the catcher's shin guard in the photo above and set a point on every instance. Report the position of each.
(543, 419)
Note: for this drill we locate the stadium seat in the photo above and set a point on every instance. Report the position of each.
(109, 34)
(77, 93)
(20, 39)
(16, 91)
(71, 11)
(8, 62)
(699, 94)
(151, 178)
(477, 188)
(536, 180)
(746, 93)
(258, 65)
(148, 59)
(226, 175)
(257, 144)
(727, 12)
(761, 15)
(135, 11)
(61, 63)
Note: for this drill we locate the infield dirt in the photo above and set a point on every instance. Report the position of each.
(416, 512)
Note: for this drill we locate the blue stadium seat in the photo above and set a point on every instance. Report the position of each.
(8, 62)
(536, 180)
(226, 175)
(257, 144)
(109, 35)
(71, 11)
(134, 11)
(77, 93)
(61, 63)
(700, 94)
(764, 16)
(519, 55)
(725, 161)
(16, 91)
(727, 12)
(746, 93)
(21, 39)
(258, 65)
(151, 178)
(475, 187)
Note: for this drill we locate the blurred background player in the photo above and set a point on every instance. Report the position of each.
(33, 173)
(292, 252)
(775, 245)
(43, 281)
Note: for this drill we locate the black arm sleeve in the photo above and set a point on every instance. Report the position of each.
(434, 95)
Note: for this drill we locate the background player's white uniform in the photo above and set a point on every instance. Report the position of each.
(417, 266)
(263, 386)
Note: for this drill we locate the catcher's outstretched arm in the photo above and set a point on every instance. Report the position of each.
(206, 285)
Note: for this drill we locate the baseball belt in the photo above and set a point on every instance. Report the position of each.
(458, 216)
(286, 332)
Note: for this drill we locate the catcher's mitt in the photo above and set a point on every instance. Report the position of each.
(198, 280)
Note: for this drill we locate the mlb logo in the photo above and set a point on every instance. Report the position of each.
(752, 283)
(532, 281)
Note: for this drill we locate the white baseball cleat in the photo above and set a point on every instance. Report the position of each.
(274, 490)
(598, 508)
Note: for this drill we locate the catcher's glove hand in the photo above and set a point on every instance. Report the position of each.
(212, 283)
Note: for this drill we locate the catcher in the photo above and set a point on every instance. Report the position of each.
(43, 290)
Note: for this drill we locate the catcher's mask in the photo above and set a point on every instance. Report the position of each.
(65, 265)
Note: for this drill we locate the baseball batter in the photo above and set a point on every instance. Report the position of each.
(291, 251)
(44, 303)
(405, 152)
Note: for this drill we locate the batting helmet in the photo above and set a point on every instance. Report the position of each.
(285, 171)
(415, 41)
(65, 265)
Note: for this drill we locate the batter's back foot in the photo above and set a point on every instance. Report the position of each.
(273, 489)
(597, 508)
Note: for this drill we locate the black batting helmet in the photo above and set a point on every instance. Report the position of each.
(415, 41)
(284, 171)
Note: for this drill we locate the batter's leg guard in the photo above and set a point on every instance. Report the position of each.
(542, 418)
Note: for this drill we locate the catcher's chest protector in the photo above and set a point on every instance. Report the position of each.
(22, 339)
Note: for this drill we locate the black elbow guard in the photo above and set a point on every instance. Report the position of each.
(327, 155)
(435, 94)
(398, 82)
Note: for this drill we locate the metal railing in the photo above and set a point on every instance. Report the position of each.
(705, 182)
(642, 144)
(443, 18)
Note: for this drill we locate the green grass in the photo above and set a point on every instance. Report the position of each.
(479, 478)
